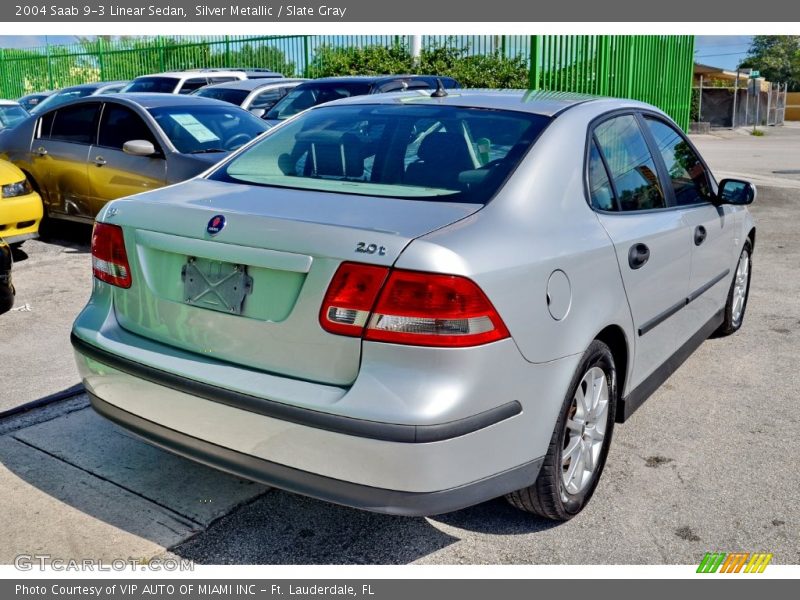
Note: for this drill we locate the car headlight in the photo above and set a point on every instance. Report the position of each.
(20, 188)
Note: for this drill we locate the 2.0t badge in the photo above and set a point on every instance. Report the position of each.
(215, 224)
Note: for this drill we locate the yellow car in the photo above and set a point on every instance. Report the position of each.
(20, 207)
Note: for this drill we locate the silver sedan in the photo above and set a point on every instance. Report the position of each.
(413, 303)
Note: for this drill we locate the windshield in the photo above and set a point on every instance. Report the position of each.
(225, 94)
(11, 115)
(308, 95)
(60, 98)
(440, 153)
(204, 129)
(157, 85)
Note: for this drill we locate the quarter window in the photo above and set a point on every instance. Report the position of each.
(193, 84)
(688, 176)
(600, 189)
(75, 124)
(630, 164)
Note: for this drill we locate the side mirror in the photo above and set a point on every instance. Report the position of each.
(736, 191)
(138, 148)
(258, 112)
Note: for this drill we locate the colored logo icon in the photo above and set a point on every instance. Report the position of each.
(215, 224)
(734, 562)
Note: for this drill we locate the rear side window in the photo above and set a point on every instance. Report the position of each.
(76, 124)
(195, 83)
(268, 98)
(600, 190)
(119, 125)
(631, 165)
(687, 174)
(437, 153)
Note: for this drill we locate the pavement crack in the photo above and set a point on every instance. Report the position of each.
(191, 520)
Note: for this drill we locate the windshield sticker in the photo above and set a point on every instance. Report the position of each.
(195, 128)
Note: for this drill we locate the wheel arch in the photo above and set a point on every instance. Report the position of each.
(751, 235)
(614, 337)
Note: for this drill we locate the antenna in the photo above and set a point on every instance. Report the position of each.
(440, 91)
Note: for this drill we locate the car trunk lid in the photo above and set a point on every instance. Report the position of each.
(269, 266)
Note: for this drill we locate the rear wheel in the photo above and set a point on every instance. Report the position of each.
(579, 446)
(738, 294)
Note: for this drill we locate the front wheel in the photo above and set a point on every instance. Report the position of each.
(738, 294)
(579, 446)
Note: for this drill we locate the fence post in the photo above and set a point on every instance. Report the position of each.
(161, 58)
(101, 59)
(534, 58)
(3, 78)
(50, 84)
(307, 57)
(228, 53)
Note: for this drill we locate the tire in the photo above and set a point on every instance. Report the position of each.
(740, 290)
(555, 495)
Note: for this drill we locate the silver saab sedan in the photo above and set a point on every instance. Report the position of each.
(412, 303)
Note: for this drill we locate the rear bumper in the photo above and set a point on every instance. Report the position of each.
(319, 486)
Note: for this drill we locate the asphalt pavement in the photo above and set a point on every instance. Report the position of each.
(707, 464)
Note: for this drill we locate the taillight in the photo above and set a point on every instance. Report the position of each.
(350, 298)
(109, 259)
(424, 309)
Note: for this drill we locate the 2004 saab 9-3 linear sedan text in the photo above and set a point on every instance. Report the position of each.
(413, 303)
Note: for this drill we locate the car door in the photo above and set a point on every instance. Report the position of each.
(59, 154)
(112, 172)
(649, 236)
(711, 226)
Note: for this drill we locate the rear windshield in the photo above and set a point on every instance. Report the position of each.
(438, 153)
(60, 98)
(11, 115)
(225, 94)
(308, 95)
(157, 85)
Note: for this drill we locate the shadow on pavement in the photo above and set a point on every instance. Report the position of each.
(90, 465)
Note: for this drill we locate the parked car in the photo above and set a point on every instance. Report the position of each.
(81, 155)
(77, 91)
(20, 206)
(255, 95)
(181, 82)
(6, 285)
(411, 304)
(326, 89)
(11, 113)
(30, 100)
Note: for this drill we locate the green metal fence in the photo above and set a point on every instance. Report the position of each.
(656, 69)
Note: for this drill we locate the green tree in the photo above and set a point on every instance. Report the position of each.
(777, 57)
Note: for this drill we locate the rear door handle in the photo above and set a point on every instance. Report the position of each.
(699, 235)
(99, 161)
(41, 151)
(638, 255)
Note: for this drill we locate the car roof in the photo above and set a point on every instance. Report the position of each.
(543, 103)
(374, 78)
(192, 73)
(96, 85)
(152, 100)
(252, 84)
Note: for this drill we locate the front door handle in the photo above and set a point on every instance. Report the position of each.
(41, 151)
(638, 255)
(699, 235)
(99, 161)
